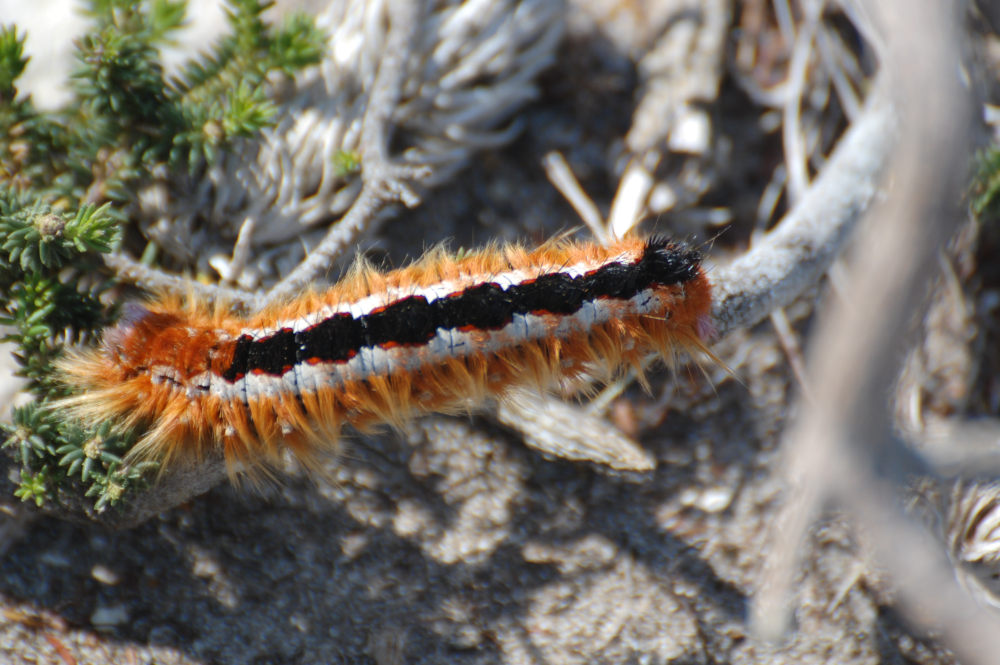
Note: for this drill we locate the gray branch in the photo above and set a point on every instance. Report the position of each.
(799, 251)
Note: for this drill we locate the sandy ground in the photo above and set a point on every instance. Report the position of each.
(457, 544)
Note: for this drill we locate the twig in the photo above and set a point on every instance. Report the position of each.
(796, 159)
(793, 350)
(241, 250)
(129, 270)
(562, 178)
(554, 427)
(841, 434)
(630, 198)
(802, 247)
(954, 447)
(835, 56)
(786, 24)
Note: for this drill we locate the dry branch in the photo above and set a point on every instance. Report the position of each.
(847, 428)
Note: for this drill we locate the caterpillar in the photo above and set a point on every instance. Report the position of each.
(379, 347)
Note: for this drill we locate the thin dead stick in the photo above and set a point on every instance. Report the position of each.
(834, 57)
(954, 447)
(129, 270)
(834, 445)
(562, 178)
(793, 140)
(796, 162)
(793, 350)
(630, 199)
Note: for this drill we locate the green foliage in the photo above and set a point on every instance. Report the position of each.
(43, 307)
(96, 457)
(297, 43)
(45, 304)
(68, 178)
(985, 197)
(36, 238)
(32, 433)
(33, 487)
(223, 95)
(346, 162)
(12, 60)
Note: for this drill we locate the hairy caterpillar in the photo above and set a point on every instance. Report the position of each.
(381, 347)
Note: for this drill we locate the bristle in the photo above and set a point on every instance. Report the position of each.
(381, 348)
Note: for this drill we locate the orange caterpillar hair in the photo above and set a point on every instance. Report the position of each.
(382, 347)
